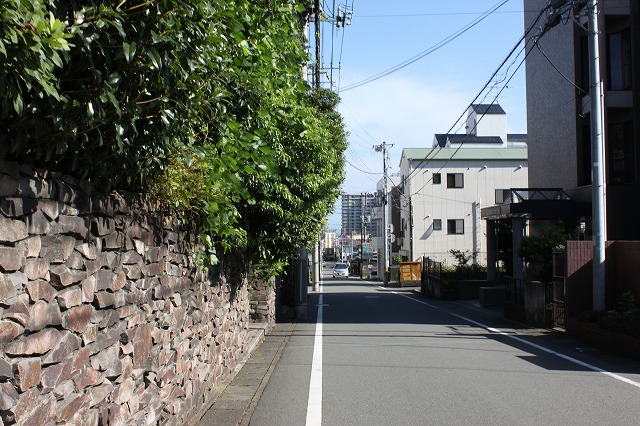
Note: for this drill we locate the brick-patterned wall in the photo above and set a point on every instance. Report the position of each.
(104, 317)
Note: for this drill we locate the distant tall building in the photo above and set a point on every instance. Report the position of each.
(355, 209)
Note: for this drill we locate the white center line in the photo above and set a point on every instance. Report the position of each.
(314, 405)
(526, 342)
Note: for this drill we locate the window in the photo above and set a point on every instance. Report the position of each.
(455, 226)
(502, 196)
(437, 179)
(437, 224)
(621, 153)
(619, 49)
(455, 180)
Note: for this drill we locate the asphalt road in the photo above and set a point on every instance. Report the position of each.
(391, 357)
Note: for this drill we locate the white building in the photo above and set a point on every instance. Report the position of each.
(444, 187)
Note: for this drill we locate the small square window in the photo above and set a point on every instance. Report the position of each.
(455, 180)
(502, 196)
(455, 226)
(437, 224)
(437, 179)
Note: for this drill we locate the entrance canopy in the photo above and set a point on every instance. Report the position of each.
(534, 203)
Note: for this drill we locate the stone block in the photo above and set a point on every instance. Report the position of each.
(64, 389)
(106, 359)
(9, 396)
(41, 290)
(131, 257)
(7, 290)
(38, 223)
(102, 226)
(31, 246)
(35, 409)
(99, 393)
(18, 310)
(43, 314)
(133, 272)
(104, 340)
(50, 208)
(36, 188)
(142, 343)
(57, 248)
(11, 259)
(68, 407)
(66, 345)
(55, 374)
(36, 269)
(34, 344)
(61, 276)
(88, 289)
(105, 299)
(123, 392)
(87, 376)
(8, 186)
(75, 261)
(12, 230)
(9, 330)
(77, 319)
(112, 241)
(88, 250)
(18, 278)
(71, 225)
(153, 254)
(108, 280)
(17, 207)
(70, 298)
(29, 371)
(6, 370)
(139, 246)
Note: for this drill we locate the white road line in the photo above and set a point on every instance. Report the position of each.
(314, 405)
(526, 342)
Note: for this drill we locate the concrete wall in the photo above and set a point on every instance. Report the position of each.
(104, 316)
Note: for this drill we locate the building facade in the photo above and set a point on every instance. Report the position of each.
(444, 187)
(357, 213)
(558, 109)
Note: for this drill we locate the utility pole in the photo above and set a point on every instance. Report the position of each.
(316, 9)
(362, 228)
(598, 185)
(385, 231)
(598, 202)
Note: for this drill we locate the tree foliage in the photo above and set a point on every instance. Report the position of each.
(201, 103)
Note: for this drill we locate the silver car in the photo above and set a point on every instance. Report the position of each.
(341, 270)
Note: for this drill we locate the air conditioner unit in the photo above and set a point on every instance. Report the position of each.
(400, 241)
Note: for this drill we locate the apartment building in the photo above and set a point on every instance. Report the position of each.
(444, 187)
(558, 108)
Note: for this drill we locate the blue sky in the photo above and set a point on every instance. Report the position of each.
(407, 107)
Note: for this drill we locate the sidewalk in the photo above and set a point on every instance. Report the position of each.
(235, 400)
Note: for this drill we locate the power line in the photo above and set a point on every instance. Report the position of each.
(524, 36)
(430, 50)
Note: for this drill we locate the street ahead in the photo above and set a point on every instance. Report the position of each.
(391, 357)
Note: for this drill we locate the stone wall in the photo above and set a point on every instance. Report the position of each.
(104, 317)
(262, 305)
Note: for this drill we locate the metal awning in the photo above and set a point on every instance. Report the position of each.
(536, 203)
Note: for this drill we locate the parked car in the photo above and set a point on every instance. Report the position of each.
(341, 270)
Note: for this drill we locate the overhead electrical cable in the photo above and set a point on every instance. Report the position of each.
(430, 50)
(524, 36)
